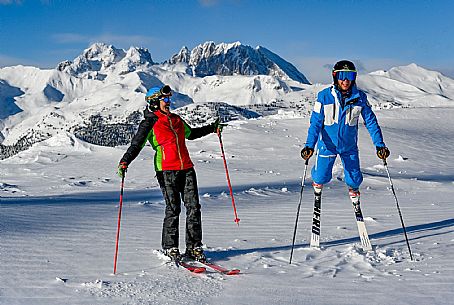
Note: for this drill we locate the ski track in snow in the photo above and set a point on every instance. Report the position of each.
(58, 249)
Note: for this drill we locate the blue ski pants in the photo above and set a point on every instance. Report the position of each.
(322, 172)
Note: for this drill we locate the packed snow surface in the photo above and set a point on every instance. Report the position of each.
(59, 206)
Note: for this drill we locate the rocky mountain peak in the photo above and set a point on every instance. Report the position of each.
(101, 58)
(181, 57)
(235, 59)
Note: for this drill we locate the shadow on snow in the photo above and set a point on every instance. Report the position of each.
(433, 226)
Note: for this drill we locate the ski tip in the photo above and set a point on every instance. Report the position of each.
(199, 270)
(233, 272)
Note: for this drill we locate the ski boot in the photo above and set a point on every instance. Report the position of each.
(318, 194)
(195, 254)
(354, 197)
(173, 254)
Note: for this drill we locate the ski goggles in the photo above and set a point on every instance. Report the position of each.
(343, 75)
(166, 99)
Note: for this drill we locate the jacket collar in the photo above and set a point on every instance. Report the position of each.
(161, 114)
(354, 94)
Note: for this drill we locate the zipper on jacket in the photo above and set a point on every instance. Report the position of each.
(334, 111)
(178, 143)
(349, 104)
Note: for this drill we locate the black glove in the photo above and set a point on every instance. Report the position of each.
(122, 168)
(218, 125)
(307, 152)
(383, 152)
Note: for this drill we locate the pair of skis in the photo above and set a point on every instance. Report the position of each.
(315, 230)
(316, 218)
(201, 267)
(195, 266)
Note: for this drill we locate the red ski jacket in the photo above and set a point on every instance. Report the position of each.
(167, 134)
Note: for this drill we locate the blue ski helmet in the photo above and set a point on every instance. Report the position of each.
(155, 94)
(344, 69)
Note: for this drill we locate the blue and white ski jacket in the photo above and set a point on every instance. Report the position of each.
(334, 121)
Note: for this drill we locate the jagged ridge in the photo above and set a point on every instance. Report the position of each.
(235, 59)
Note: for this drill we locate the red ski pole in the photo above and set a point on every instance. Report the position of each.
(119, 220)
(237, 220)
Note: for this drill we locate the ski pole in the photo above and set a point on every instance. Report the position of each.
(119, 220)
(298, 211)
(237, 220)
(398, 208)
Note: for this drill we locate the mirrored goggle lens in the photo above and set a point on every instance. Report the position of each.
(166, 100)
(343, 75)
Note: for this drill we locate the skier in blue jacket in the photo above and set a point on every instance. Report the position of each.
(334, 126)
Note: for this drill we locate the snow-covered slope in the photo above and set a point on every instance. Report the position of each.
(409, 86)
(59, 209)
(8, 105)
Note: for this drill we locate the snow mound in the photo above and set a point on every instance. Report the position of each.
(9, 188)
(401, 159)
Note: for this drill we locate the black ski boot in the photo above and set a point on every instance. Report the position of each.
(173, 254)
(195, 254)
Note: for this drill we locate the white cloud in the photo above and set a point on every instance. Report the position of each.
(6, 60)
(318, 69)
(449, 72)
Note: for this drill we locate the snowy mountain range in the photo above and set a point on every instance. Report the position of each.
(98, 97)
(235, 59)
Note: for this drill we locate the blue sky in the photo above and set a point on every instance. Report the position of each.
(311, 34)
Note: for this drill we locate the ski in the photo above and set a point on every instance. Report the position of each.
(364, 237)
(220, 269)
(179, 263)
(315, 231)
(191, 268)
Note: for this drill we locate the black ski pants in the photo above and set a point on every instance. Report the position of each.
(174, 186)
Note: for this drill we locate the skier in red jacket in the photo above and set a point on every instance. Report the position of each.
(175, 172)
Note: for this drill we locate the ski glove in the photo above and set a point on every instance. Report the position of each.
(122, 169)
(218, 125)
(383, 152)
(307, 152)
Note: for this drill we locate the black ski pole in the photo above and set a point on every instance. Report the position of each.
(398, 208)
(298, 211)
